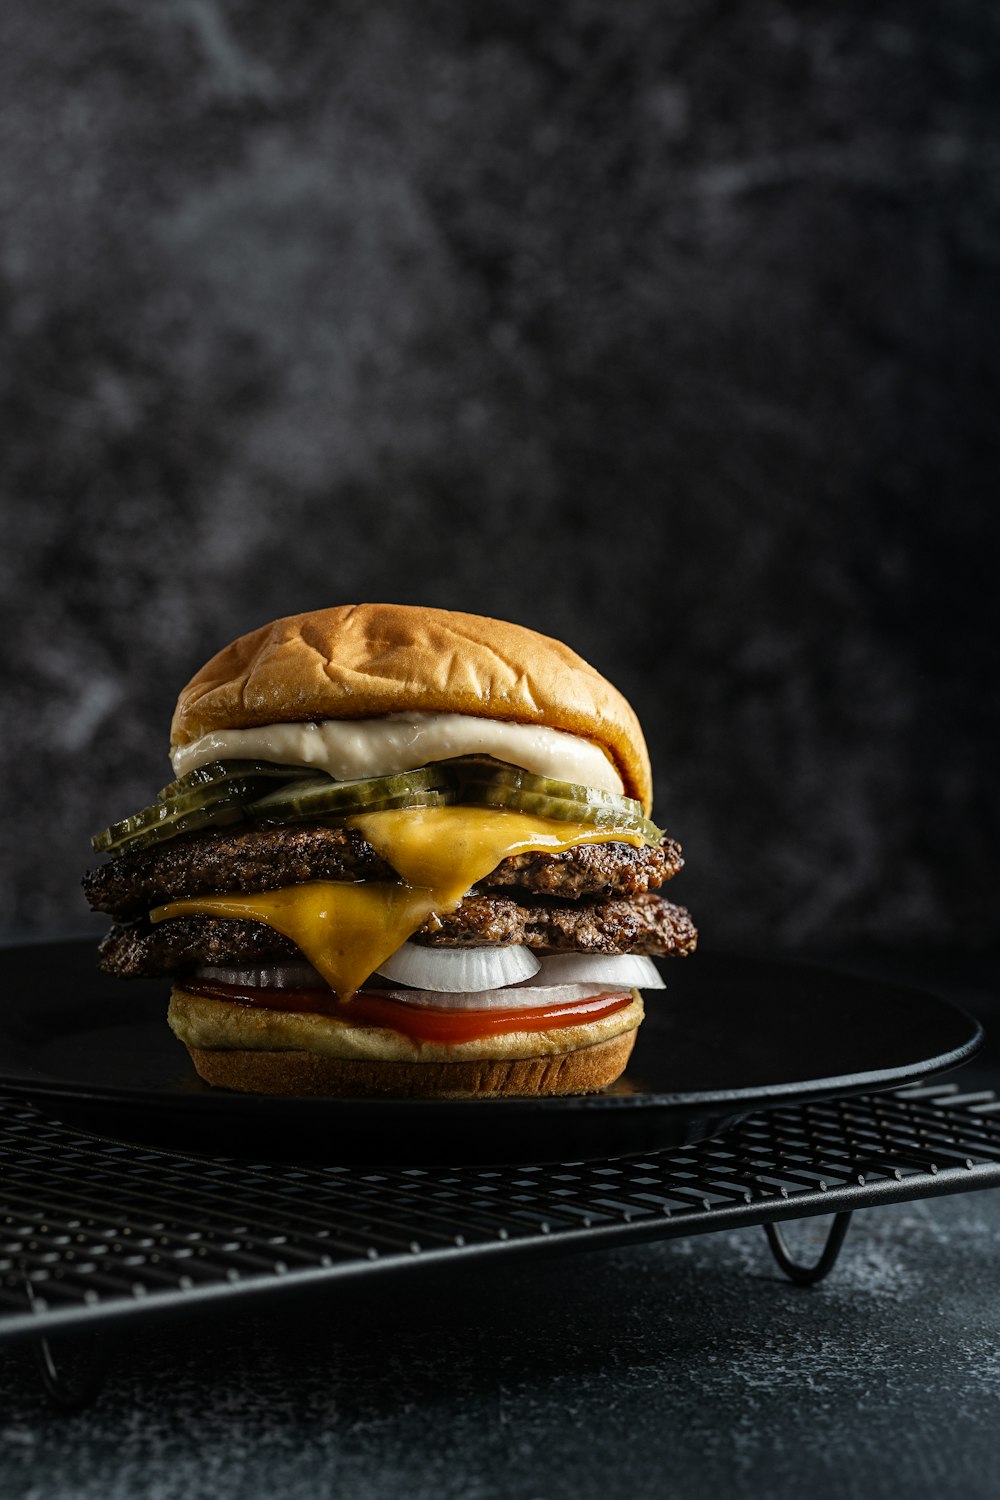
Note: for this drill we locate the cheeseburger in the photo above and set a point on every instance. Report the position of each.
(405, 852)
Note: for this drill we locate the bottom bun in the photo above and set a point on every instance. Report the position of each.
(583, 1071)
(257, 1050)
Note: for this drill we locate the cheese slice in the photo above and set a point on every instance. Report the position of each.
(346, 930)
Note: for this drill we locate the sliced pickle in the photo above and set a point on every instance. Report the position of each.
(321, 796)
(163, 817)
(133, 834)
(483, 769)
(220, 771)
(595, 815)
(432, 798)
(226, 791)
(226, 797)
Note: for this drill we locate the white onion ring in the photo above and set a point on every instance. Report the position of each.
(630, 969)
(521, 997)
(459, 970)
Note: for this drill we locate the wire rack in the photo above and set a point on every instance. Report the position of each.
(95, 1231)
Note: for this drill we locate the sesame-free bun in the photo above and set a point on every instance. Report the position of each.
(359, 661)
(582, 1072)
(262, 1051)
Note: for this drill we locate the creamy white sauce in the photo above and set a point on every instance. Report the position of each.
(351, 748)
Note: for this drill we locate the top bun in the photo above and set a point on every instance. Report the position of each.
(358, 661)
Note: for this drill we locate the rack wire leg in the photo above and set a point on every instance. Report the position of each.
(84, 1361)
(73, 1383)
(809, 1275)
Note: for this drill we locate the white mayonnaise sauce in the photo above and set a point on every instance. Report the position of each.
(351, 748)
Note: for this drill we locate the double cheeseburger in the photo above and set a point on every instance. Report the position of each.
(406, 852)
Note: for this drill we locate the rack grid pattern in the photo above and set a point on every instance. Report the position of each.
(96, 1230)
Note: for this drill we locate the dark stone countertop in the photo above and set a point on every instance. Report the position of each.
(688, 1367)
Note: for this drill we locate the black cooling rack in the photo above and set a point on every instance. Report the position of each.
(97, 1231)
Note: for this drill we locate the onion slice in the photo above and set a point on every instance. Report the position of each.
(459, 970)
(522, 997)
(629, 969)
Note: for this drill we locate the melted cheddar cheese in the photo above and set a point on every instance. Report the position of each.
(347, 930)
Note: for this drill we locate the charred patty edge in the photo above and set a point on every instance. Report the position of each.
(648, 925)
(223, 862)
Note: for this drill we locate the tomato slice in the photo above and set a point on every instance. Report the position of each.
(422, 1023)
(428, 1023)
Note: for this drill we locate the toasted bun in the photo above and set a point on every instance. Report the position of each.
(584, 1071)
(359, 661)
(258, 1050)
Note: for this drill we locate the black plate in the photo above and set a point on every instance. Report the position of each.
(727, 1037)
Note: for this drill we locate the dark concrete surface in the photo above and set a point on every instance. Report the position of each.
(689, 1368)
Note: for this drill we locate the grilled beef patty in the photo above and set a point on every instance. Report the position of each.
(647, 924)
(265, 859)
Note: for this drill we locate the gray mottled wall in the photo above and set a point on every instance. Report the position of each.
(668, 329)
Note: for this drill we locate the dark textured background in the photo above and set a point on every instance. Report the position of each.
(670, 330)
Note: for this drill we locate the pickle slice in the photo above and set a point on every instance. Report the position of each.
(431, 798)
(161, 820)
(484, 769)
(221, 771)
(222, 796)
(321, 796)
(595, 815)
(226, 791)
(222, 811)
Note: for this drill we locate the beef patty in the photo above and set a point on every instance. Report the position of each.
(646, 924)
(262, 859)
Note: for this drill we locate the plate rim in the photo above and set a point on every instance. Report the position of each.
(744, 1101)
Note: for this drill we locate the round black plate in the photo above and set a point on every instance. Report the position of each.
(729, 1036)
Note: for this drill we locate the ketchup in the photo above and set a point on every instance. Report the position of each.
(422, 1023)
